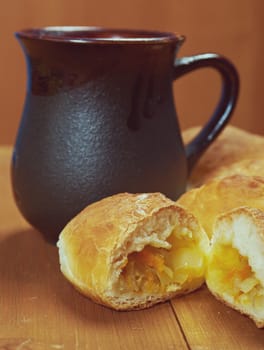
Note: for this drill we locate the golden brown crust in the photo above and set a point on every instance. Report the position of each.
(95, 244)
(97, 231)
(220, 195)
(250, 167)
(234, 151)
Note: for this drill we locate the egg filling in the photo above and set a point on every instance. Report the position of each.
(160, 270)
(230, 275)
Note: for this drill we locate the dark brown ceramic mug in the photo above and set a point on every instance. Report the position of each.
(99, 119)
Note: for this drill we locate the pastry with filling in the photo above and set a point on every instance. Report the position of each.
(235, 272)
(221, 195)
(235, 151)
(131, 251)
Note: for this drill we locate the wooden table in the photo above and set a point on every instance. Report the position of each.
(39, 309)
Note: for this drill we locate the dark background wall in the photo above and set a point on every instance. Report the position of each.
(234, 28)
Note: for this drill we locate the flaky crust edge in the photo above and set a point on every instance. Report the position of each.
(150, 300)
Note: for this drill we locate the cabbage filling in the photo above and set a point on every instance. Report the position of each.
(158, 270)
(230, 275)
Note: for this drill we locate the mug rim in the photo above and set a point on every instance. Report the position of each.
(98, 35)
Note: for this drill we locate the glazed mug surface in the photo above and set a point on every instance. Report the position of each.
(99, 119)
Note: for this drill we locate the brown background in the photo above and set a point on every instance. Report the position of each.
(233, 28)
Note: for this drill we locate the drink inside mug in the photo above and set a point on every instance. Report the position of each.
(98, 34)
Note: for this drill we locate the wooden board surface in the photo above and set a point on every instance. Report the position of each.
(39, 309)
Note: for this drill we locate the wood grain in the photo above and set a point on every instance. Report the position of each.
(40, 310)
(209, 324)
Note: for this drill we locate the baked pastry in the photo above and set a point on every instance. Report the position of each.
(234, 151)
(131, 251)
(220, 195)
(249, 166)
(235, 272)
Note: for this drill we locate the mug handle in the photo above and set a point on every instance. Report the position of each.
(225, 107)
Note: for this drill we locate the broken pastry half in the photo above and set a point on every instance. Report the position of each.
(235, 272)
(221, 195)
(131, 251)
